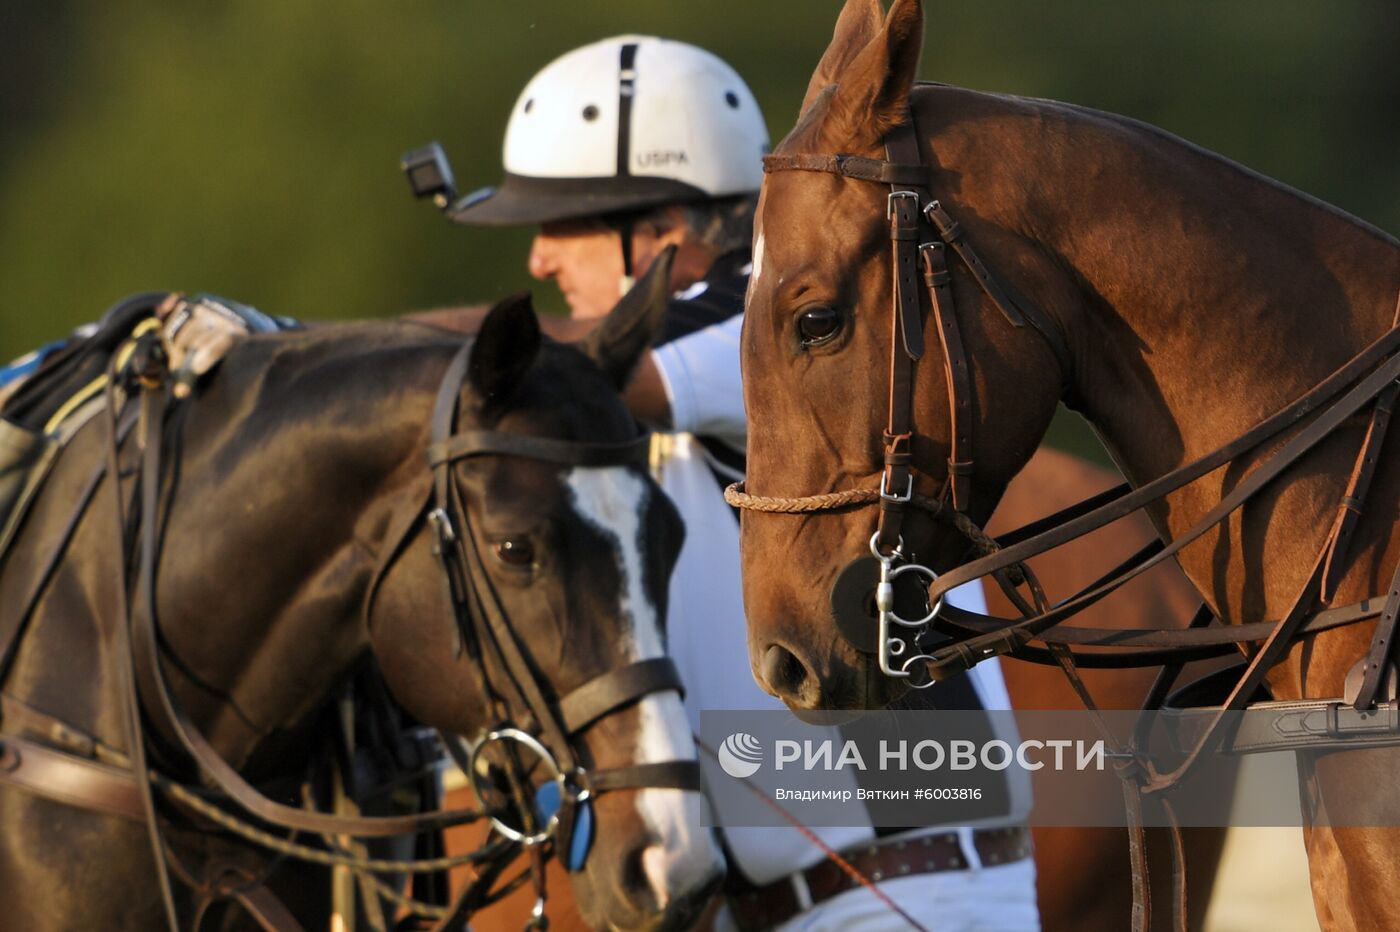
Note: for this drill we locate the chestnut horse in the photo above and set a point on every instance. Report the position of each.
(1182, 299)
(297, 551)
(1082, 874)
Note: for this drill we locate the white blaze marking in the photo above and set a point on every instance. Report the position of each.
(758, 256)
(613, 500)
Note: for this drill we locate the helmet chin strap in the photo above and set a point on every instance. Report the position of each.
(624, 230)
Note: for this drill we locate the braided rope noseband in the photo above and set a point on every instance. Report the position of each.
(738, 497)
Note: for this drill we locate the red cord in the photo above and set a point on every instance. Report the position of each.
(831, 853)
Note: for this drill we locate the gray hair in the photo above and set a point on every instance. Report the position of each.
(723, 224)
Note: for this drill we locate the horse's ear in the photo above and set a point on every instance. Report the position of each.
(858, 23)
(617, 344)
(872, 92)
(506, 346)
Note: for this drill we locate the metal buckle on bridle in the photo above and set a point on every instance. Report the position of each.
(890, 202)
(443, 531)
(904, 499)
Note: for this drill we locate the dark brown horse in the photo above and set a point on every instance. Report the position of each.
(296, 465)
(1192, 299)
(1082, 874)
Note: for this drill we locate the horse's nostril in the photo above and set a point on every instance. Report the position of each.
(636, 885)
(783, 671)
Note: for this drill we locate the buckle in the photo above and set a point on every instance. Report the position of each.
(801, 890)
(890, 202)
(904, 499)
(1344, 721)
(443, 532)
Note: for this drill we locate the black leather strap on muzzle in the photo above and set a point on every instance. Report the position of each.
(469, 443)
(617, 688)
(671, 774)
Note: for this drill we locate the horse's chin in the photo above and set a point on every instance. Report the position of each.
(616, 914)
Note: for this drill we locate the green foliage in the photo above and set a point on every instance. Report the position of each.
(251, 148)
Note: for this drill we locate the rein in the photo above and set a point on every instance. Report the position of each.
(1371, 378)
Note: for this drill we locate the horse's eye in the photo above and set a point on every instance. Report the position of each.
(518, 552)
(817, 325)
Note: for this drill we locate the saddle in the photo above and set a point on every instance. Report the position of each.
(41, 413)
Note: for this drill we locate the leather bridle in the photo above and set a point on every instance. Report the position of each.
(1371, 378)
(127, 785)
(921, 232)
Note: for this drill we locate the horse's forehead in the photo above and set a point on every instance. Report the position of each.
(814, 219)
(612, 499)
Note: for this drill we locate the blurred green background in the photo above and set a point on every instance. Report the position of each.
(250, 148)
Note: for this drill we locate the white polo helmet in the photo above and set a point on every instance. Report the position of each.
(621, 125)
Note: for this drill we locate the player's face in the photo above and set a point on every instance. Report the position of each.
(584, 258)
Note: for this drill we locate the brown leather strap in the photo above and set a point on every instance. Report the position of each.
(1377, 357)
(23, 719)
(906, 340)
(671, 774)
(858, 167)
(617, 688)
(1358, 487)
(903, 213)
(270, 913)
(122, 657)
(1274, 648)
(13, 627)
(1169, 638)
(1014, 307)
(68, 779)
(959, 656)
(955, 370)
(765, 907)
(952, 234)
(470, 443)
(1382, 650)
(480, 613)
